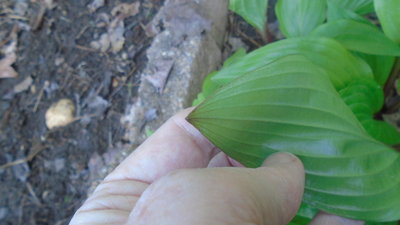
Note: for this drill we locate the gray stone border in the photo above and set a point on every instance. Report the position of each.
(180, 57)
(189, 36)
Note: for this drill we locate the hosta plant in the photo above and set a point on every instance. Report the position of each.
(315, 94)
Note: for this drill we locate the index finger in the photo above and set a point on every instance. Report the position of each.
(175, 145)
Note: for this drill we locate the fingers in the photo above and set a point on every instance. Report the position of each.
(111, 203)
(175, 145)
(267, 195)
(328, 219)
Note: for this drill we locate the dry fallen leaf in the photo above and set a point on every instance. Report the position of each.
(49, 4)
(96, 4)
(60, 114)
(23, 85)
(10, 56)
(103, 44)
(116, 34)
(6, 71)
(126, 9)
(114, 38)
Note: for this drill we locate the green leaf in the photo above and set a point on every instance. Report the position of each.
(298, 220)
(199, 99)
(388, 223)
(235, 57)
(336, 12)
(210, 86)
(381, 66)
(365, 98)
(321, 51)
(358, 6)
(253, 11)
(358, 37)
(388, 14)
(306, 211)
(291, 106)
(300, 17)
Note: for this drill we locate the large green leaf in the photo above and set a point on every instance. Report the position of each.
(341, 66)
(253, 11)
(365, 98)
(290, 105)
(300, 17)
(388, 14)
(358, 37)
(381, 66)
(359, 6)
(336, 12)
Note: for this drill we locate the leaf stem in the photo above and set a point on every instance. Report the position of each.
(392, 103)
(388, 89)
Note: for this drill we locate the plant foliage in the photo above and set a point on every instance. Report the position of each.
(298, 18)
(315, 95)
(388, 13)
(253, 11)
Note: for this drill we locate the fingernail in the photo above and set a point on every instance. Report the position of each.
(280, 158)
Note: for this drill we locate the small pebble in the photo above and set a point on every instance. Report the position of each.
(60, 114)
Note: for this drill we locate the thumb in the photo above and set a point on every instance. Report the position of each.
(270, 194)
(282, 174)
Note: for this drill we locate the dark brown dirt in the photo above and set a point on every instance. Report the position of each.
(57, 55)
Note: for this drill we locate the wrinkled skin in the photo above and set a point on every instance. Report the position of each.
(178, 177)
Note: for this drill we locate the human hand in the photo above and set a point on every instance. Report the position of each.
(178, 177)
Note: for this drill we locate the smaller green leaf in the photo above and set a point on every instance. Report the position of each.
(387, 223)
(300, 17)
(306, 211)
(336, 12)
(298, 220)
(149, 132)
(210, 86)
(235, 57)
(388, 14)
(381, 66)
(358, 37)
(358, 6)
(365, 98)
(253, 11)
(199, 99)
(382, 131)
(319, 50)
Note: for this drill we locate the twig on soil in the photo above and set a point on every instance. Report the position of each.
(39, 98)
(37, 21)
(32, 193)
(388, 89)
(85, 48)
(393, 105)
(10, 36)
(249, 38)
(21, 209)
(16, 17)
(81, 32)
(24, 160)
(125, 83)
